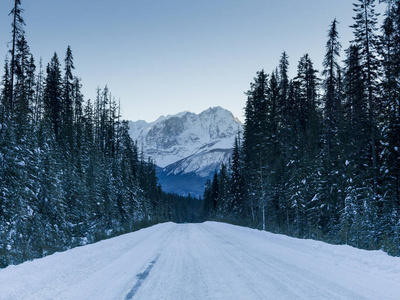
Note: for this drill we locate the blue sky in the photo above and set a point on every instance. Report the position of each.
(161, 57)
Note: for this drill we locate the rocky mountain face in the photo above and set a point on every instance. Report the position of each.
(187, 147)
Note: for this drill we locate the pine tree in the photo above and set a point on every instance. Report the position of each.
(207, 200)
(284, 136)
(52, 95)
(17, 33)
(390, 169)
(356, 145)
(237, 189)
(24, 85)
(306, 105)
(6, 91)
(332, 105)
(330, 185)
(223, 190)
(215, 192)
(367, 41)
(67, 100)
(254, 134)
(283, 109)
(37, 105)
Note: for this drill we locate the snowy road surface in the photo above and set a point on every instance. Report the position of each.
(205, 261)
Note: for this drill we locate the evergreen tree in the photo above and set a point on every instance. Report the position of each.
(283, 103)
(254, 134)
(67, 100)
(367, 41)
(306, 83)
(37, 104)
(237, 190)
(390, 169)
(356, 144)
(207, 200)
(52, 95)
(332, 107)
(6, 91)
(223, 190)
(215, 193)
(24, 85)
(17, 33)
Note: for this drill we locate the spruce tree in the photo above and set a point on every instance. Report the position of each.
(24, 84)
(237, 190)
(223, 190)
(332, 105)
(6, 90)
(17, 33)
(390, 169)
(254, 137)
(306, 104)
(52, 97)
(67, 100)
(367, 41)
(356, 144)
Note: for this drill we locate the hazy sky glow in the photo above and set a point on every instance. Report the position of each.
(165, 56)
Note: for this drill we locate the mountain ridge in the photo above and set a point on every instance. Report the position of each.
(188, 144)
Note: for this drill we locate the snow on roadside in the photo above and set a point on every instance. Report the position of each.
(46, 277)
(375, 261)
(109, 269)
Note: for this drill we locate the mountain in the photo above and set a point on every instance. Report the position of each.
(187, 147)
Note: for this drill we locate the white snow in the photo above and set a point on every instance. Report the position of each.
(205, 261)
(203, 163)
(175, 137)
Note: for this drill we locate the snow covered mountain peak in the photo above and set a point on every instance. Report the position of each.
(175, 137)
(188, 144)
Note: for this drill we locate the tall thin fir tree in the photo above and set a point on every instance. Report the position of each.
(237, 185)
(52, 97)
(306, 84)
(37, 109)
(283, 101)
(254, 142)
(67, 99)
(17, 33)
(23, 86)
(390, 39)
(367, 41)
(330, 84)
(6, 91)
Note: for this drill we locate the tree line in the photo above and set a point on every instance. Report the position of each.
(320, 153)
(70, 173)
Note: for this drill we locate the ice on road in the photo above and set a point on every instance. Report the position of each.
(205, 261)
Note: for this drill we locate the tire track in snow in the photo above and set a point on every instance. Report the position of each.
(141, 278)
(180, 273)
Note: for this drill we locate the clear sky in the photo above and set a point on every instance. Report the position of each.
(161, 57)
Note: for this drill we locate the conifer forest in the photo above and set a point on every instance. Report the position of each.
(319, 156)
(69, 172)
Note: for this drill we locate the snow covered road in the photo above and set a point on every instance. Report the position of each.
(205, 261)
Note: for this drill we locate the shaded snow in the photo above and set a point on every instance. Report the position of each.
(203, 164)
